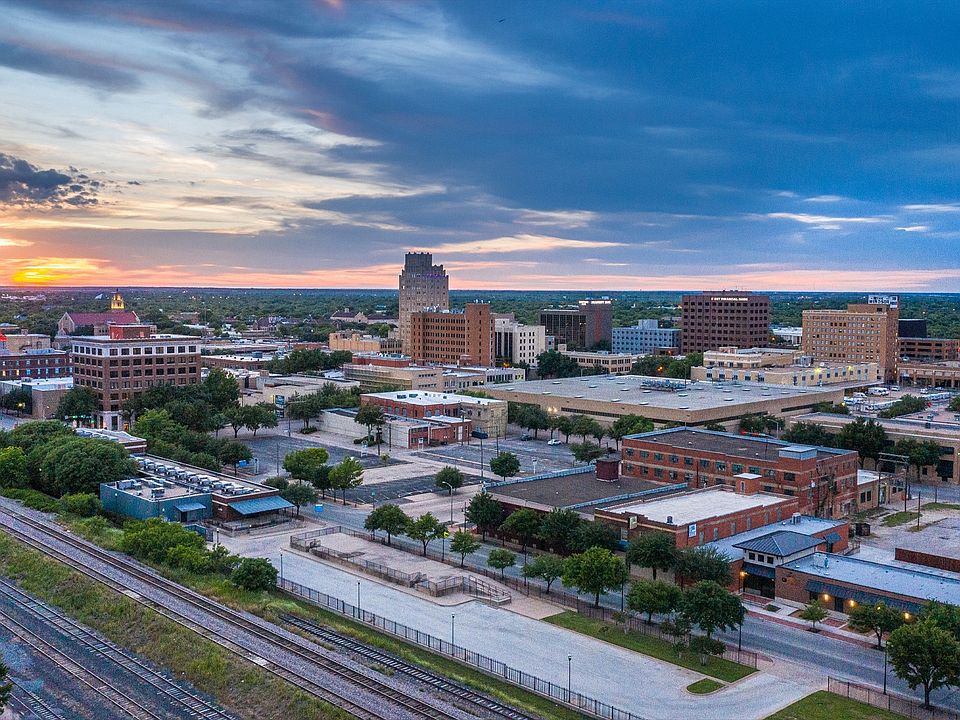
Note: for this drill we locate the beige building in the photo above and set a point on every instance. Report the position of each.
(778, 366)
(354, 342)
(458, 337)
(27, 341)
(662, 400)
(517, 343)
(407, 377)
(930, 374)
(422, 285)
(609, 362)
(861, 333)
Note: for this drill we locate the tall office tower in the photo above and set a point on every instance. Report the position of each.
(422, 285)
(712, 320)
(861, 333)
(586, 326)
(461, 337)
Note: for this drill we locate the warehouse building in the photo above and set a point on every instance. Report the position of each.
(607, 397)
(487, 415)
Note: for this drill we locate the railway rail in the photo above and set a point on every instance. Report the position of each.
(262, 631)
(33, 704)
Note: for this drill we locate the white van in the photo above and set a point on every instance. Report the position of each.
(878, 391)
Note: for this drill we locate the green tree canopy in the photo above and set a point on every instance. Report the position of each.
(305, 464)
(13, 468)
(522, 524)
(808, 433)
(425, 529)
(77, 404)
(558, 528)
(153, 539)
(703, 562)
(76, 465)
(594, 534)
(500, 559)
(904, 406)
(255, 574)
(866, 436)
(594, 571)
(463, 543)
(222, 389)
(813, 613)
(711, 607)
(545, 567)
(925, 655)
(505, 464)
(300, 493)
(629, 425)
(586, 452)
(6, 687)
(346, 475)
(654, 550)
(388, 518)
(553, 364)
(484, 512)
(371, 416)
(449, 476)
(654, 597)
(877, 618)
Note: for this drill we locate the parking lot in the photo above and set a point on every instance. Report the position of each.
(535, 455)
(270, 450)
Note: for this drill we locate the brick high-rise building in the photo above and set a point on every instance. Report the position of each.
(132, 358)
(861, 333)
(588, 326)
(461, 337)
(422, 285)
(711, 320)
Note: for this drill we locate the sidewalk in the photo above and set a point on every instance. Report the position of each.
(782, 617)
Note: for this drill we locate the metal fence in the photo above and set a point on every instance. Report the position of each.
(894, 703)
(563, 694)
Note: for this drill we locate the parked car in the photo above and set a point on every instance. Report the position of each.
(526, 436)
(554, 441)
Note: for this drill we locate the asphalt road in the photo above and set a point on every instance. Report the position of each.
(535, 455)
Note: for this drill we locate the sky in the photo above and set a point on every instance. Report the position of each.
(554, 144)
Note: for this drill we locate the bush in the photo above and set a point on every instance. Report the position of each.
(187, 557)
(255, 574)
(32, 499)
(81, 504)
(153, 539)
(308, 430)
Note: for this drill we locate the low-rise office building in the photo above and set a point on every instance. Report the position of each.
(646, 338)
(487, 415)
(929, 374)
(583, 326)
(607, 362)
(662, 400)
(33, 364)
(19, 342)
(401, 432)
(382, 372)
(45, 395)
(779, 366)
(824, 480)
(516, 343)
(354, 342)
(927, 350)
(253, 361)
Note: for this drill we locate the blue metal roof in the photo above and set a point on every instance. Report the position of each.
(781, 543)
(761, 570)
(259, 505)
(861, 596)
(191, 506)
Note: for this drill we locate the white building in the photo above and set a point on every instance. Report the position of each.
(645, 337)
(518, 343)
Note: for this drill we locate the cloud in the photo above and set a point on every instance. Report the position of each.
(568, 219)
(933, 208)
(823, 222)
(915, 228)
(518, 243)
(824, 199)
(12, 242)
(67, 63)
(25, 185)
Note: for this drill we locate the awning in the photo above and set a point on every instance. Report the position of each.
(861, 596)
(832, 538)
(760, 570)
(259, 505)
(191, 507)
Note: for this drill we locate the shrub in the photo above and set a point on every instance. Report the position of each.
(81, 504)
(33, 499)
(255, 574)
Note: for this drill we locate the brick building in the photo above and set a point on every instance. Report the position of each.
(32, 364)
(355, 342)
(861, 333)
(586, 326)
(377, 372)
(70, 322)
(711, 320)
(824, 480)
(422, 285)
(928, 349)
(462, 337)
(127, 361)
(486, 414)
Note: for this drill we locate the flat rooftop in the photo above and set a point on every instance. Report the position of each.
(431, 397)
(571, 488)
(905, 424)
(805, 525)
(941, 539)
(685, 508)
(748, 447)
(666, 393)
(876, 576)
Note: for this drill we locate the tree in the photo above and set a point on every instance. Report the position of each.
(300, 493)
(867, 437)
(594, 534)
(425, 529)
(629, 425)
(703, 562)
(303, 410)
(943, 615)
(254, 574)
(233, 453)
(553, 364)
(501, 559)
(464, 543)
(236, 418)
(505, 465)
(704, 647)
(389, 518)
(904, 406)
(449, 477)
(813, 613)
(222, 389)
(6, 687)
(370, 416)
(557, 528)
(877, 618)
(305, 464)
(13, 468)
(752, 424)
(584, 426)
(544, 567)
(586, 452)
(711, 607)
(75, 464)
(594, 571)
(831, 408)
(804, 433)
(523, 524)
(153, 539)
(259, 416)
(921, 454)
(77, 404)
(81, 504)
(537, 419)
(923, 654)
(654, 596)
(19, 400)
(484, 512)
(564, 426)
(346, 475)
(654, 550)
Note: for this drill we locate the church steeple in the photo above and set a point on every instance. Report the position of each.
(117, 302)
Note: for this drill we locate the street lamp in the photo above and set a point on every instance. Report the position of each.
(359, 612)
(743, 579)
(281, 569)
(884, 669)
(453, 630)
(451, 499)
(569, 677)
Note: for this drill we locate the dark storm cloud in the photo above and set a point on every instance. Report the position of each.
(93, 71)
(25, 185)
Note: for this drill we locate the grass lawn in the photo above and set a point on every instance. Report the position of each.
(899, 518)
(823, 705)
(941, 506)
(647, 645)
(702, 687)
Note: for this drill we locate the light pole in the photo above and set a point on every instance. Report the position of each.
(481, 462)
(453, 629)
(884, 669)
(217, 531)
(281, 569)
(451, 499)
(740, 637)
(569, 678)
(359, 612)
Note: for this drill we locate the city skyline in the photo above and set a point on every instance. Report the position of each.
(527, 145)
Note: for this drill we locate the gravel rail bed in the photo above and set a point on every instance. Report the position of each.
(344, 683)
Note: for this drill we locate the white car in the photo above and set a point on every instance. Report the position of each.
(554, 442)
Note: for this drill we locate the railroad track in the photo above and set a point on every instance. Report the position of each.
(394, 696)
(397, 665)
(99, 686)
(193, 705)
(33, 704)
